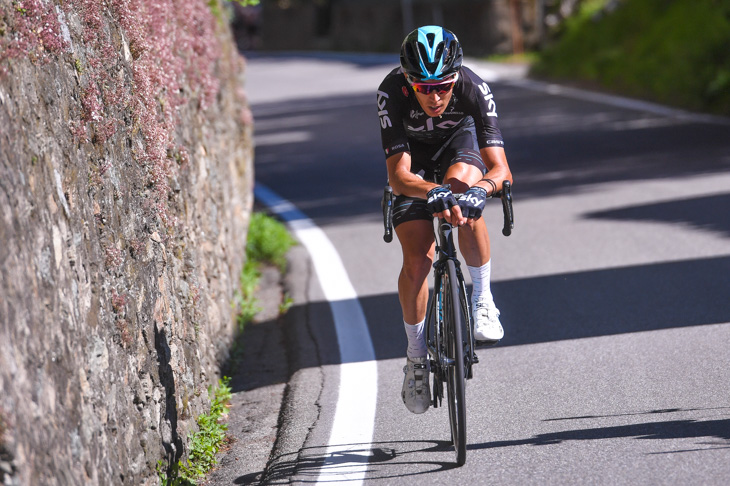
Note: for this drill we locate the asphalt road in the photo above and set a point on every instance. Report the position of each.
(614, 287)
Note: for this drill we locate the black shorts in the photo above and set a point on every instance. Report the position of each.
(431, 162)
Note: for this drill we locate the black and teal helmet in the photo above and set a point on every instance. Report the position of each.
(430, 53)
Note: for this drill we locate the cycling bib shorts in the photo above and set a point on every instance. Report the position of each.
(431, 162)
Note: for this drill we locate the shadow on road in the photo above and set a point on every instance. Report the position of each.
(587, 304)
(341, 134)
(534, 310)
(309, 462)
(671, 429)
(707, 213)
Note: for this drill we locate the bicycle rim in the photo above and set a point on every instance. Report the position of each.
(456, 379)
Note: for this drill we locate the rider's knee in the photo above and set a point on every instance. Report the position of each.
(472, 226)
(416, 270)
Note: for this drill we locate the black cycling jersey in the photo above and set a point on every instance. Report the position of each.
(402, 119)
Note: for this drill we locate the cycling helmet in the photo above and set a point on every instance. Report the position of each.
(430, 53)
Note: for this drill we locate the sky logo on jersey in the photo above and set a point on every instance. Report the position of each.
(489, 98)
(429, 126)
(382, 112)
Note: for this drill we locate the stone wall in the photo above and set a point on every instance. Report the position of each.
(125, 191)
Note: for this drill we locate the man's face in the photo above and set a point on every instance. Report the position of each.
(434, 97)
(434, 104)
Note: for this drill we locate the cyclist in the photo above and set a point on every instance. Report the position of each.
(439, 119)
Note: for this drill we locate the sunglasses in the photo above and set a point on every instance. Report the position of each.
(428, 88)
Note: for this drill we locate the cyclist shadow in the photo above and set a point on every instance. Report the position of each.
(379, 458)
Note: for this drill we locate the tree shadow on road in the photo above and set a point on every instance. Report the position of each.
(671, 429)
(547, 160)
(587, 304)
(706, 213)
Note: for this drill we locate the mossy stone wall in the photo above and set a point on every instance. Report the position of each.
(125, 193)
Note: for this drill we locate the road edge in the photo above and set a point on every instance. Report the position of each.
(299, 409)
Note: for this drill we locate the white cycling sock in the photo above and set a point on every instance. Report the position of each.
(480, 282)
(416, 340)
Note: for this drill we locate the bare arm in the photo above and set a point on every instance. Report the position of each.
(403, 181)
(497, 169)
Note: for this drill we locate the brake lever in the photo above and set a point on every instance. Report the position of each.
(509, 218)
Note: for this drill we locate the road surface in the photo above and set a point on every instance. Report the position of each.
(614, 287)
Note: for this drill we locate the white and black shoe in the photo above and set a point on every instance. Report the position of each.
(487, 328)
(416, 392)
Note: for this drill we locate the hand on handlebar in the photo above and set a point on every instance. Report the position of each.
(442, 204)
(472, 203)
(453, 216)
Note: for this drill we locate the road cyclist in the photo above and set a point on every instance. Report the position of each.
(439, 117)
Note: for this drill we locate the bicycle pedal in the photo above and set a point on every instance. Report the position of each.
(475, 358)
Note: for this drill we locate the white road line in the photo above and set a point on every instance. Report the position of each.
(348, 450)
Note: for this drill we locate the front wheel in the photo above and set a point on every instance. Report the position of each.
(456, 379)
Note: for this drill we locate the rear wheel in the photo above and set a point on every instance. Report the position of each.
(456, 378)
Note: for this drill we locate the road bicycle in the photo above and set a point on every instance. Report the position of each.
(449, 323)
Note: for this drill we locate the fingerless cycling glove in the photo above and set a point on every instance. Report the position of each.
(472, 202)
(440, 199)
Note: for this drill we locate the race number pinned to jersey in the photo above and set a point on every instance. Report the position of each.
(489, 98)
(382, 112)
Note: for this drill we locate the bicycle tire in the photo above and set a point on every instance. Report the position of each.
(456, 378)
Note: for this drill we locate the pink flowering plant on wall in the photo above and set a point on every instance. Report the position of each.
(138, 63)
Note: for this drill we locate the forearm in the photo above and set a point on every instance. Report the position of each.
(403, 181)
(408, 184)
(498, 170)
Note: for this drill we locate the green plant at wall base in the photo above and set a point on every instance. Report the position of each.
(245, 300)
(268, 241)
(204, 444)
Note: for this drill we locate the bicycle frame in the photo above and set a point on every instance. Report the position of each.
(445, 251)
(448, 315)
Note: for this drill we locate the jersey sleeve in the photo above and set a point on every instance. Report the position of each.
(390, 106)
(484, 110)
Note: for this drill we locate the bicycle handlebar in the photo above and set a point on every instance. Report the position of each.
(505, 195)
